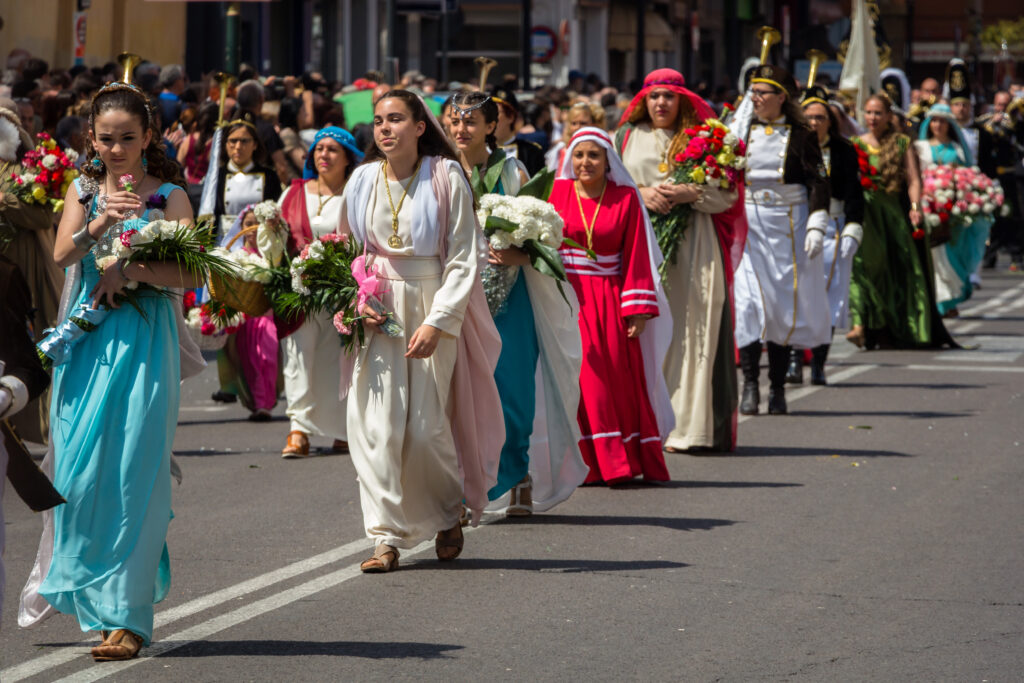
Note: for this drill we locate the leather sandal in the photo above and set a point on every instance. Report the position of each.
(120, 645)
(520, 502)
(384, 559)
(339, 447)
(448, 544)
(297, 446)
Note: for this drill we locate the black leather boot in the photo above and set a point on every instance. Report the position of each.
(795, 373)
(818, 356)
(778, 360)
(750, 363)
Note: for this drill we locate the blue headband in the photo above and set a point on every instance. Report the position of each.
(339, 135)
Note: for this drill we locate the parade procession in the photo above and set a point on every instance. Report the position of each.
(619, 370)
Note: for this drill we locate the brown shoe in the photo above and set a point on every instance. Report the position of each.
(120, 645)
(448, 544)
(339, 447)
(520, 502)
(385, 559)
(297, 446)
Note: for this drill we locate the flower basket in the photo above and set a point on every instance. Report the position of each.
(208, 342)
(247, 297)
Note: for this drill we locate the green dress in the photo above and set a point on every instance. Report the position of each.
(890, 289)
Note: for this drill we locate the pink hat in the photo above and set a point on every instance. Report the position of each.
(669, 79)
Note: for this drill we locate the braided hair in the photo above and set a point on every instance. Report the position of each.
(129, 99)
(892, 145)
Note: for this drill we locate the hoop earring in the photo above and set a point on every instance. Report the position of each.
(145, 162)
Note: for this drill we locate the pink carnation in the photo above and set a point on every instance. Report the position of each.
(126, 181)
(304, 254)
(208, 329)
(333, 237)
(339, 323)
(126, 237)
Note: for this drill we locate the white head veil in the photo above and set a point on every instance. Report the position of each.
(236, 228)
(657, 335)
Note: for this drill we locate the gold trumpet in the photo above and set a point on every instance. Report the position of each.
(224, 81)
(816, 57)
(768, 36)
(485, 64)
(128, 62)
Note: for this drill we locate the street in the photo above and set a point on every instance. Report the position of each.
(875, 533)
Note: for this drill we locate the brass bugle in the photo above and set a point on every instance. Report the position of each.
(128, 62)
(485, 64)
(223, 83)
(768, 36)
(816, 57)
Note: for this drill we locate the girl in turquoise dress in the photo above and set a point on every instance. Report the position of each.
(941, 143)
(115, 401)
(892, 301)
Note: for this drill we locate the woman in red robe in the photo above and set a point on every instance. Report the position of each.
(623, 313)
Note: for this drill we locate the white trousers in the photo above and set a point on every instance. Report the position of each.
(312, 368)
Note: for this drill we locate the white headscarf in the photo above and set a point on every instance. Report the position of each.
(657, 335)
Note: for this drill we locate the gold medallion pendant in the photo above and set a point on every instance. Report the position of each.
(395, 242)
(768, 130)
(663, 167)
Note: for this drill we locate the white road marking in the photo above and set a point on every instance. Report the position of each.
(962, 368)
(169, 616)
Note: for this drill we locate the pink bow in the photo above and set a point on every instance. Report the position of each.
(367, 280)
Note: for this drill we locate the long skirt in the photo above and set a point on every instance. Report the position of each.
(399, 418)
(516, 377)
(700, 364)
(619, 431)
(312, 366)
(113, 417)
(837, 272)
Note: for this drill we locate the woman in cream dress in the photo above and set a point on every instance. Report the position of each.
(417, 454)
(699, 365)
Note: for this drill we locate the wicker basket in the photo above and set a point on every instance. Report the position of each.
(208, 342)
(244, 296)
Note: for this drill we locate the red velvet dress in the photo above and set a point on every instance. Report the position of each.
(620, 433)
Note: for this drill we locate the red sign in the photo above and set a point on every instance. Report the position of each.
(78, 23)
(543, 44)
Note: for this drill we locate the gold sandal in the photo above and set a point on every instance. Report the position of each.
(520, 502)
(448, 544)
(120, 645)
(380, 562)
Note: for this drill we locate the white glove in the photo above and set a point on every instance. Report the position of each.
(5, 400)
(814, 243)
(848, 247)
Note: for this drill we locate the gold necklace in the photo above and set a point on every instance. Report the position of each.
(589, 228)
(395, 242)
(662, 152)
(320, 197)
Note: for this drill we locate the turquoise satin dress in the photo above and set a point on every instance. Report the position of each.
(966, 247)
(515, 376)
(113, 415)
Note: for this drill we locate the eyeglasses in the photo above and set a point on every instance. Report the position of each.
(760, 94)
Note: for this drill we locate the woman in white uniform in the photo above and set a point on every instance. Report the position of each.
(780, 285)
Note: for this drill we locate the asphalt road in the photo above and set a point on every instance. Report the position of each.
(873, 534)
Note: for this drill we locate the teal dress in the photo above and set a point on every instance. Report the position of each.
(966, 246)
(515, 376)
(113, 415)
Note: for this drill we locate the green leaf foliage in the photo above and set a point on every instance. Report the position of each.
(539, 186)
